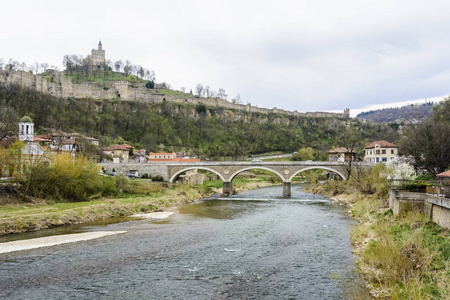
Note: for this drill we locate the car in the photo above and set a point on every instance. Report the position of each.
(112, 174)
(132, 176)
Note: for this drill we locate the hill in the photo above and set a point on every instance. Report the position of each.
(414, 112)
(208, 131)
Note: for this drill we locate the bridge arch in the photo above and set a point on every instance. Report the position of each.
(255, 167)
(193, 168)
(318, 167)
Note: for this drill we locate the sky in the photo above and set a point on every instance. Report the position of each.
(315, 55)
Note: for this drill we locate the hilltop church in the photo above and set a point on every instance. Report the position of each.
(97, 57)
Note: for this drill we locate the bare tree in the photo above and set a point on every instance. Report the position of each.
(199, 90)
(118, 65)
(222, 94)
(207, 91)
(108, 67)
(36, 67)
(8, 122)
(23, 66)
(350, 139)
(1, 63)
(12, 65)
(141, 71)
(128, 68)
(44, 66)
(238, 99)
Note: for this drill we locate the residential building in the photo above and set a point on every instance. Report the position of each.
(118, 153)
(380, 151)
(154, 155)
(140, 155)
(170, 157)
(341, 154)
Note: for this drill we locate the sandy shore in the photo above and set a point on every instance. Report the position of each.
(53, 240)
(154, 215)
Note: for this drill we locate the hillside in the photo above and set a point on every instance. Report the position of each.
(413, 112)
(213, 132)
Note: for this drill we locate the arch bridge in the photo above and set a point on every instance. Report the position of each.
(286, 170)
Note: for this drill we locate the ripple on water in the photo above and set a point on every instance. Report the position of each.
(212, 249)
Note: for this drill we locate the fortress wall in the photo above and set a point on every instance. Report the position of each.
(67, 89)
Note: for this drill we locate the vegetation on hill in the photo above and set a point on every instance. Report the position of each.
(208, 131)
(413, 112)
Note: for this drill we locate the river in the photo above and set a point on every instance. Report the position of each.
(255, 245)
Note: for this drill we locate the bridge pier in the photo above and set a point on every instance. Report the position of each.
(286, 189)
(227, 188)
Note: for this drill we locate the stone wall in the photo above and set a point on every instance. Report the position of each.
(153, 169)
(437, 208)
(63, 87)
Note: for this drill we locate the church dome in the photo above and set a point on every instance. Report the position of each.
(26, 119)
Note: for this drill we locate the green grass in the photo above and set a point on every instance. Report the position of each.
(99, 77)
(165, 92)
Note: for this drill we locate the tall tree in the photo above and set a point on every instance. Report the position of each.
(350, 139)
(8, 123)
(428, 142)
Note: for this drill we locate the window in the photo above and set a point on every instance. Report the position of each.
(392, 151)
(378, 159)
(384, 159)
(383, 151)
(378, 151)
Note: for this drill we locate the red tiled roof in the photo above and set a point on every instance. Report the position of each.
(154, 153)
(383, 144)
(118, 147)
(189, 160)
(164, 159)
(41, 138)
(127, 146)
(444, 174)
(340, 150)
(178, 159)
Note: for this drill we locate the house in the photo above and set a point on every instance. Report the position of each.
(341, 154)
(64, 142)
(140, 155)
(380, 151)
(170, 157)
(444, 178)
(153, 156)
(119, 153)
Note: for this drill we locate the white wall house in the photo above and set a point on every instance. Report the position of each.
(380, 151)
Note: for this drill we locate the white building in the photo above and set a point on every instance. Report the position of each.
(380, 151)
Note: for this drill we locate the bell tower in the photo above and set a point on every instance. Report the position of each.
(26, 129)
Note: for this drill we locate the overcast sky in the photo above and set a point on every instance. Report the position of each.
(297, 55)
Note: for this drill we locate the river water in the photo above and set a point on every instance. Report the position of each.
(255, 245)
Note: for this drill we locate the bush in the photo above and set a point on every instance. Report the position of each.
(67, 178)
(157, 178)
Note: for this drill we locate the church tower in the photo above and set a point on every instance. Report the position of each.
(100, 45)
(26, 129)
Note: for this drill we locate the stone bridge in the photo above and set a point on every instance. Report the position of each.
(286, 170)
(227, 170)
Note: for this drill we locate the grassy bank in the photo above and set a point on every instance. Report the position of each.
(138, 196)
(399, 257)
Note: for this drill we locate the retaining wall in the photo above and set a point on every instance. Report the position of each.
(437, 208)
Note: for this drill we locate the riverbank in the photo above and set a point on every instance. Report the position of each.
(17, 217)
(404, 257)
